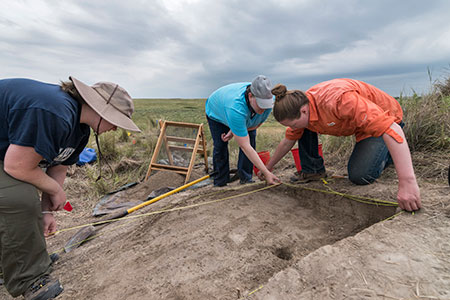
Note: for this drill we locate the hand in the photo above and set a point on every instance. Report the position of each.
(58, 200)
(49, 224)
(408, 195)
(226, 136)
(271, 179)
(260, 175)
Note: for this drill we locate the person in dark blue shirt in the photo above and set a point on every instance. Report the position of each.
(43, 129)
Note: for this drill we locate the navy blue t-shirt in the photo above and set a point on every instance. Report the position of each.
(42, 116)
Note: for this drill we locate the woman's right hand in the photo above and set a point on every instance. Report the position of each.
(58, 200)
(270, 178)
(226, 137)
(260, 175)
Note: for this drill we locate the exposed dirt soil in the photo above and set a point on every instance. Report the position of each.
(253, 242)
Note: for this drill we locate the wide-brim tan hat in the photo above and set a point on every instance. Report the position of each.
(110, 101)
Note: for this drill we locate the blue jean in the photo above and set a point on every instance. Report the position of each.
(367, 161)
(221, 155)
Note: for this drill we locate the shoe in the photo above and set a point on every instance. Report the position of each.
(46, 287)
(300, 177)
(221, 184)
(233, 178)
(246, 181)
(53, 257)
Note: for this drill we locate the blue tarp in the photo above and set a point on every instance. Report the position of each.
(88, 155)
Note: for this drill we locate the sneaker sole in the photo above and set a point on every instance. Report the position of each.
(300, 181)
(51, 292)
(306, 180)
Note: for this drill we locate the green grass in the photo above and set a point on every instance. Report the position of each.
(149, 111)
(427, 120)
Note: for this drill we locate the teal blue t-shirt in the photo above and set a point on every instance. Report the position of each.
(227, 105)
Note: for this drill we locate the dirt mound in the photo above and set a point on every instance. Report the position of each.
(135, 193)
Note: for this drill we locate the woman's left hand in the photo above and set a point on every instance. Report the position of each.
(226, 137)
(408, 195)
(49, 224)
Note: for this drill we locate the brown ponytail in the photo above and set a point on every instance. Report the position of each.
(279, 91)
(69, 87)
(287, 103)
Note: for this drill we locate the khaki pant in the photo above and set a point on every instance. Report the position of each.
(23, 252)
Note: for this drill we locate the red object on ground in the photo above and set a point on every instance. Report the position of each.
(297, 157)
(68, 207)
(265, 157)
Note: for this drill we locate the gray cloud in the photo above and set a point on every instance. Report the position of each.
(188, 48)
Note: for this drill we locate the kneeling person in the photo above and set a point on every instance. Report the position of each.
(344, 107)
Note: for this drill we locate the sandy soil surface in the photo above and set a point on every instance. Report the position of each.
(257, 242)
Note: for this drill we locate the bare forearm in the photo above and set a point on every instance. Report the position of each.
(251, 154)
(408, 195)
(58, 173)
(400, 155)
(46, 203)
(244, 144)
(283, 147)
(34, 176)
(22, 163)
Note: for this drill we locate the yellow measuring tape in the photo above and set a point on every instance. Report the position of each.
(362, 199)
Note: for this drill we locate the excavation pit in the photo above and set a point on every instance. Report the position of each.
(230, 247)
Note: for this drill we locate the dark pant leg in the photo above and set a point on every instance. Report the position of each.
(245, 166)
(24, 256)
(308, 150)
(368, 160)
(220, 152)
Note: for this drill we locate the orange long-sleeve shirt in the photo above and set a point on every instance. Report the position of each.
(343, 107)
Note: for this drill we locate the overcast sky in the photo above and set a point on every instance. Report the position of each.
(189, 48)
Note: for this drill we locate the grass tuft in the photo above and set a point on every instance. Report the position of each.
(427, 120)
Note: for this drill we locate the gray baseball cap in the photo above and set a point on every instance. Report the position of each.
(261, 88)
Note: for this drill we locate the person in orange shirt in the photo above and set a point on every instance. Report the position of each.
(343, 107)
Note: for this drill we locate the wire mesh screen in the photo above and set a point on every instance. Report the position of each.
(177, 146)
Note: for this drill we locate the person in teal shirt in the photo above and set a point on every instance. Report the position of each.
(237, 110)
